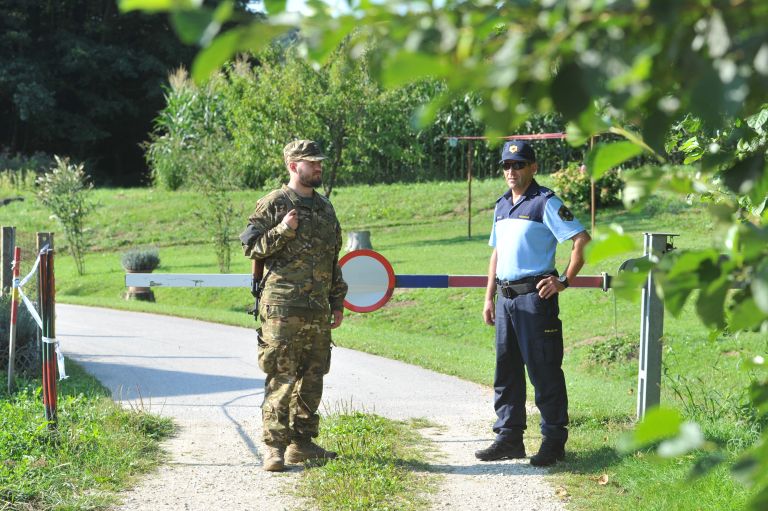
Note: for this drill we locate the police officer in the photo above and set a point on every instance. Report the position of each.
(295, 232)
(521, 300)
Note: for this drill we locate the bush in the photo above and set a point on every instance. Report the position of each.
(26, 328)
(65, 191)
(140, 260)
(572, 184)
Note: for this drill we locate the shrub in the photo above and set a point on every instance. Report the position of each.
(26, 328)
(65, 191)
(614, 350)
(140, 260)
(572, 184)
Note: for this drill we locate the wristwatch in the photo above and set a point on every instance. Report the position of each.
(564, 280)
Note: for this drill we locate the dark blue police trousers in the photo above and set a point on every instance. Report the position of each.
(529, 333)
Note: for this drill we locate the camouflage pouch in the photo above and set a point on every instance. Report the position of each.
(267, 356)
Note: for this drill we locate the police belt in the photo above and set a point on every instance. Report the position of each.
(513, 288)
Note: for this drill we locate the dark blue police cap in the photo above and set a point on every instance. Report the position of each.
(518, 150)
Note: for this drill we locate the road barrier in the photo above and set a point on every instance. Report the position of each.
(372, 280)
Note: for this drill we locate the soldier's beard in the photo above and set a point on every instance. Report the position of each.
(308, 180)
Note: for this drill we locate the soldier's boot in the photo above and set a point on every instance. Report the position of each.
(304, 450)
(502, 450)
(274, 459)
(550, 452)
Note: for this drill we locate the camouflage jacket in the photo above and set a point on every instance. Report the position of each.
(301, 267)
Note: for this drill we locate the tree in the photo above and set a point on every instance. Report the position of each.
(78, 78)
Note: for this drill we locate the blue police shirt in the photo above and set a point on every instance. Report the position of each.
(526, 234)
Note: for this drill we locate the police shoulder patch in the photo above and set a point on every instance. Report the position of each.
(565, 213)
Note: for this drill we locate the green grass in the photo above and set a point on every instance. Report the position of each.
(422, 228)
(381, 465)
(97, 449)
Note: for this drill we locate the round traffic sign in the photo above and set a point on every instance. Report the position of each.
(370, 278)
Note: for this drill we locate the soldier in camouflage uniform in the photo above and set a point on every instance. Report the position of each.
(294, 230)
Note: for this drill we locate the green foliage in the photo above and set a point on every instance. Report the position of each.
(97, 448)
(19, 172)
(574, 186)
(192, 114)
(83, 80)
(613, 350)
(140, 260)
(214, 180)
(26, 328)
(375, 468)
(65, 192)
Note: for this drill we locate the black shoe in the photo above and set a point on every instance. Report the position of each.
(550, 452)
(502, 451)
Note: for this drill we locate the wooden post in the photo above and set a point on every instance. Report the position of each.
(469, 189)
(7, 243)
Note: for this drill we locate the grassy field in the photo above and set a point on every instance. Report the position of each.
(98, 448)
(423, 229)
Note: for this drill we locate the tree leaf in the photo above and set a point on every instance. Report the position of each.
(612, 244)
(407, 67)
(689, 438)
(759, 287)
(659, 423)
(710, 304)
(190, 25)
(604, 156)
(745, 315)
(746, 174)
(275, 6)
(251, 37)
(157, 5)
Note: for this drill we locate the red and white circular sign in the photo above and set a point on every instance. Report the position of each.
(370, 278)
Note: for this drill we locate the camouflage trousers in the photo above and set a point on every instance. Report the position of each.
(295, 354)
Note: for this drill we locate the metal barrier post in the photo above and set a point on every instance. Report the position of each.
(14, 319)
(651, 328)
(48, 315)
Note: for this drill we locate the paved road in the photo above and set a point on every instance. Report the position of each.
(206, 377)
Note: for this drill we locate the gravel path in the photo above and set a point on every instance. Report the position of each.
(205, 376)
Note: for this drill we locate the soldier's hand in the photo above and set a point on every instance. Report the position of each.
(291, 219)
(338, 317)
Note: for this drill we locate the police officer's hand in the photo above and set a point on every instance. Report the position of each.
(338, 317)
(549, 287)
(291, 219)
(489, 312)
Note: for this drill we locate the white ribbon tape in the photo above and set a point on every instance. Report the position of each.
(59, 357)
(31, 309)
(34, 267)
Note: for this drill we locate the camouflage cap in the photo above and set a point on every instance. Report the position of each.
(303, 150)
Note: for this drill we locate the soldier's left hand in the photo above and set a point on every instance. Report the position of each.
(338, 317)
(549, 287)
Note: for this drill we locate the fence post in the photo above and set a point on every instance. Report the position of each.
(43, 239)
(7, 243)
(651, 328)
